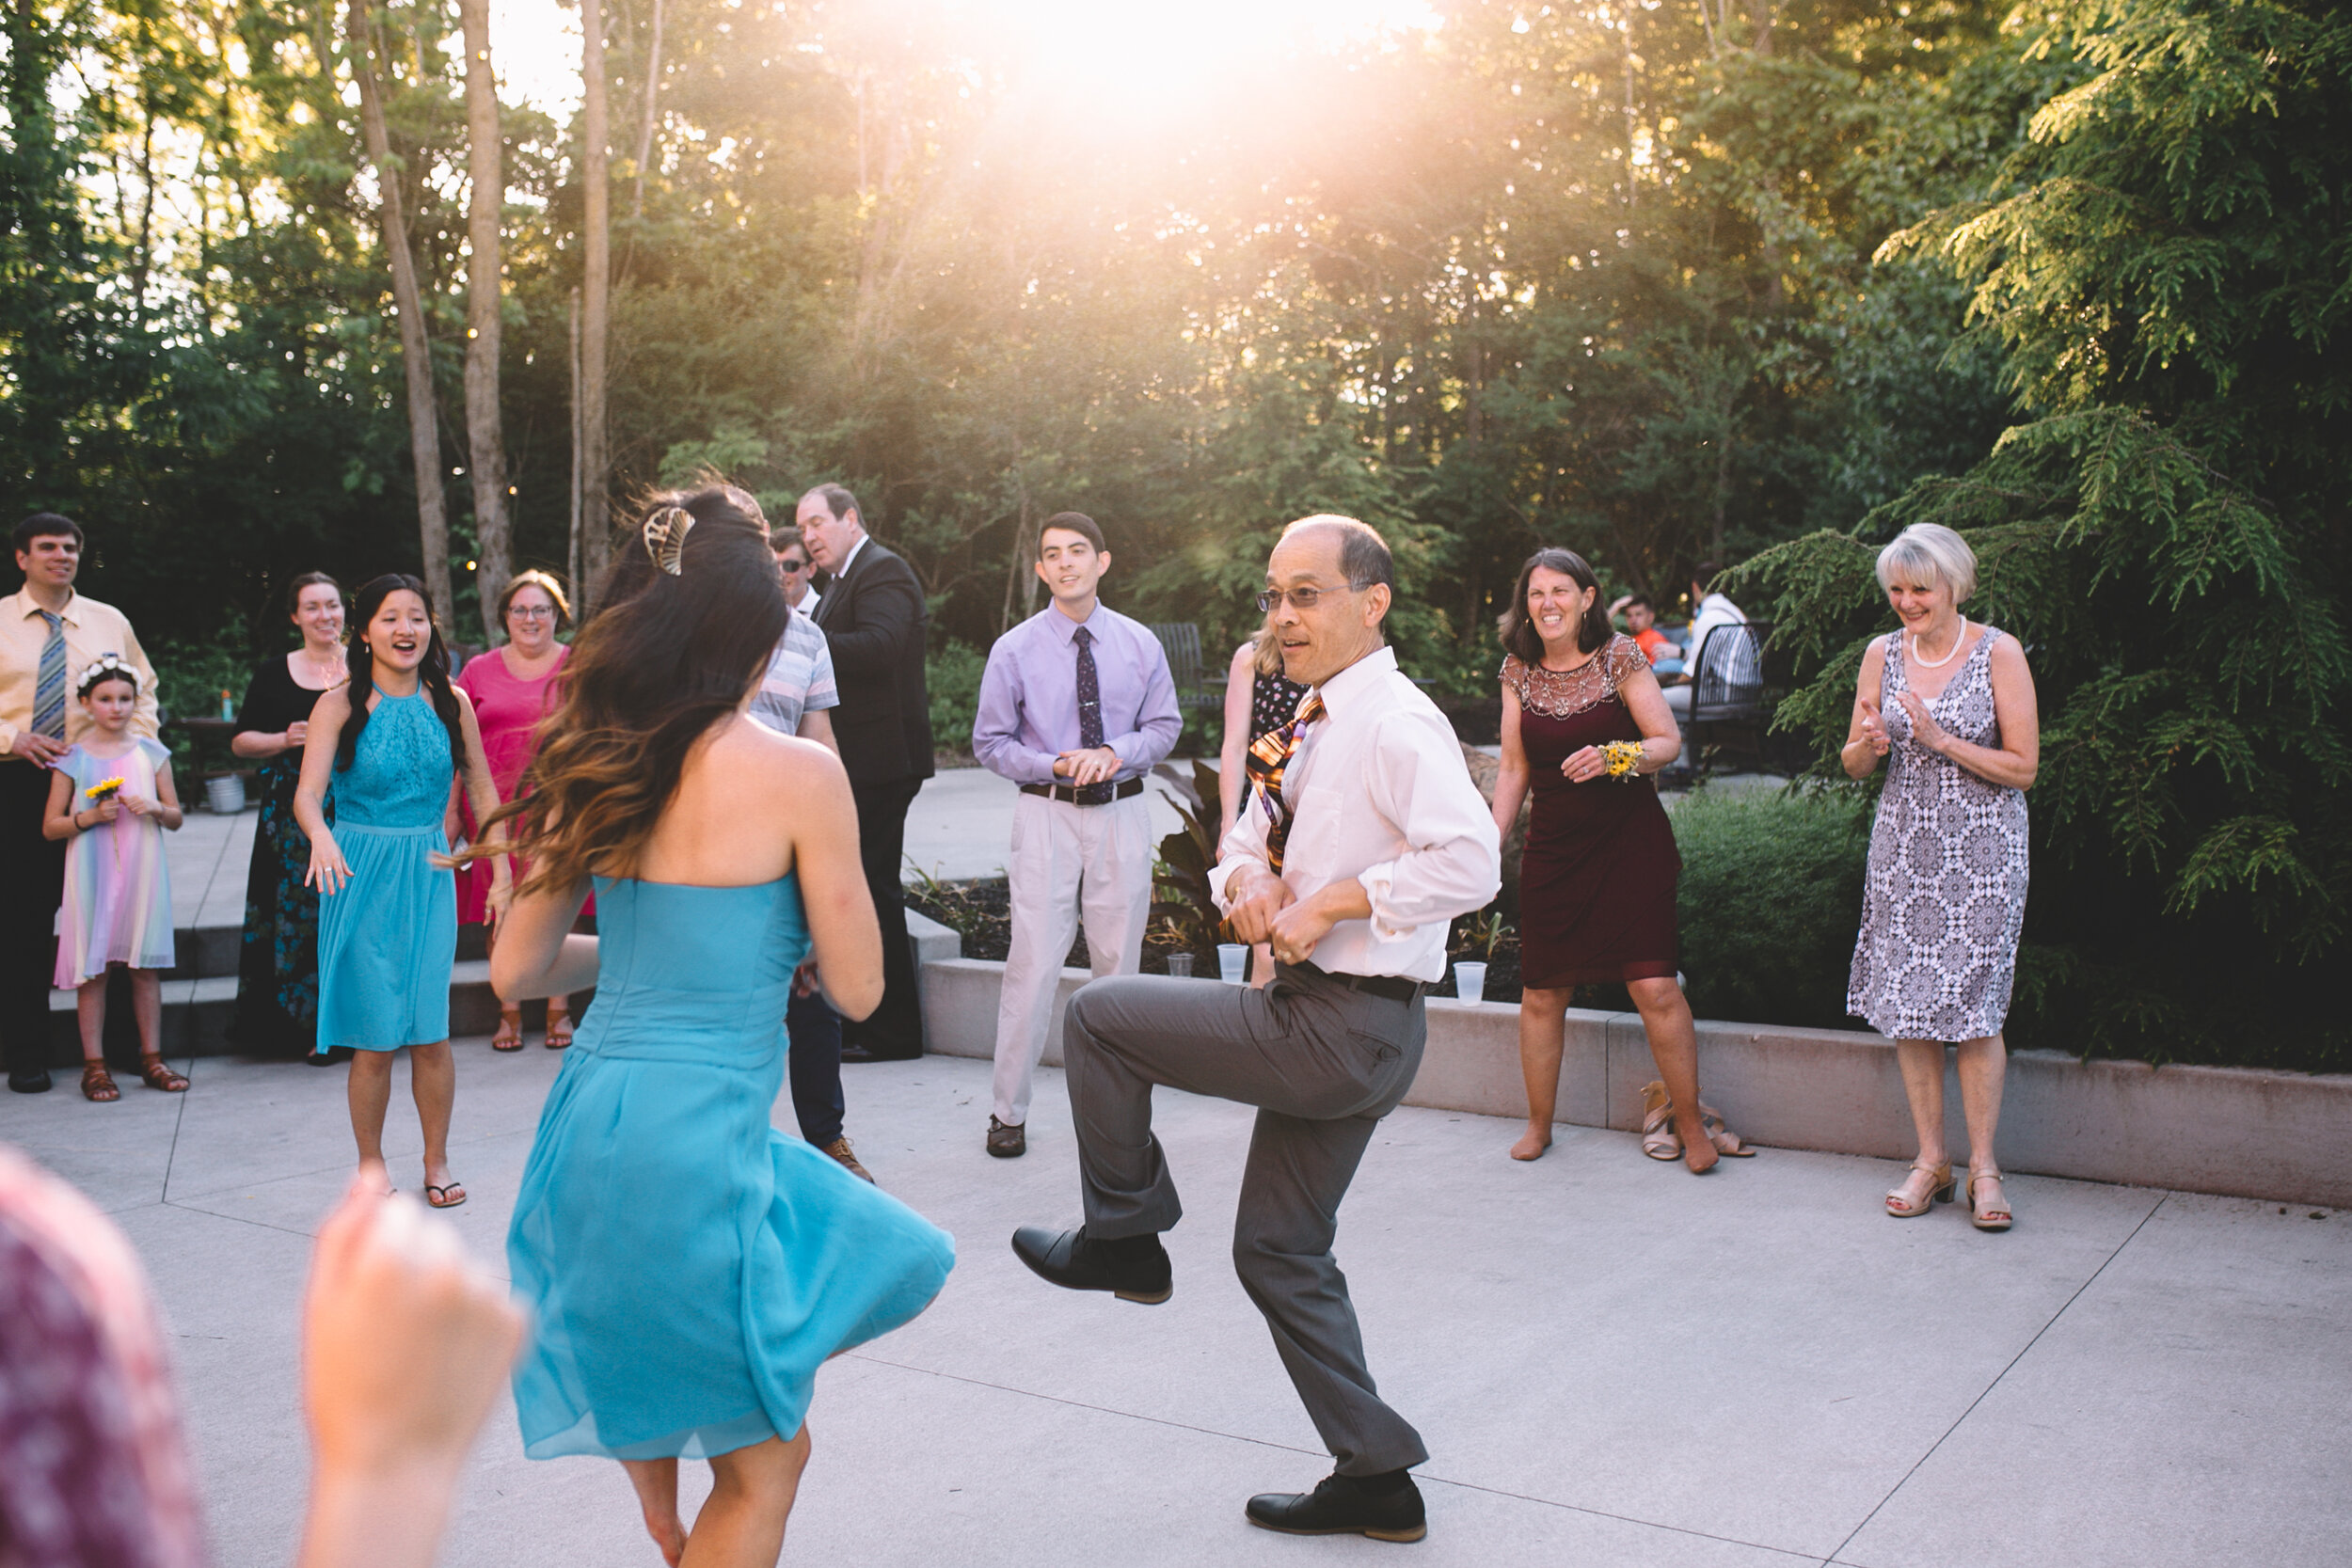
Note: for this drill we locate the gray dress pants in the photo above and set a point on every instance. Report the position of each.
(1323, 1064)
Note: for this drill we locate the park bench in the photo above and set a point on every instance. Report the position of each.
(1195, 689)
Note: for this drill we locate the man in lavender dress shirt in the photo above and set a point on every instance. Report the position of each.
(1077, 704)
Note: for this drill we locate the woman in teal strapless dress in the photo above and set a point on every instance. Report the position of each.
(691, 1267)
(388, 900)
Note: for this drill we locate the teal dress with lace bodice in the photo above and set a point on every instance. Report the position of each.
(388, 939)
(687, 1267)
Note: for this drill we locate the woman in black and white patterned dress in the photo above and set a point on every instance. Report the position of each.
(1950, 704)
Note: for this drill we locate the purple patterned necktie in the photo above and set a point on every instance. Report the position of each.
(1089, 713)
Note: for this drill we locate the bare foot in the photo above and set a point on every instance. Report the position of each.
(1532, 1145)
(1698, 1149)
(655, 1482)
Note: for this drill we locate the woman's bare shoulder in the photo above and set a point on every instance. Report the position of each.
(751, 755)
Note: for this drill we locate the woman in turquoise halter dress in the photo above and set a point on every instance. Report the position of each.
(388, 900)
(689, 1267)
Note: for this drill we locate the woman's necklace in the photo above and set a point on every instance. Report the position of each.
(329, 674)
(1924, 662)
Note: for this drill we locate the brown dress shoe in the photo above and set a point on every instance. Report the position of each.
(840, 1150)
(1004, 1142)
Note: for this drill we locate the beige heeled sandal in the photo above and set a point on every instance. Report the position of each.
(1939, 1191)
(1988, 1218)
(1659, 1140)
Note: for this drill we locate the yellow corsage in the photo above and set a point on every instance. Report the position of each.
(103, 788)
(1625, 758)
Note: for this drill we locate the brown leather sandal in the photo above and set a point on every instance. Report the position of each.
(159, 1075)
(559, 1028)
(510, 1030)
(97, 1084)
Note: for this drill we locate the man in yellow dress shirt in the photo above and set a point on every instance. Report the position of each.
(48, 635)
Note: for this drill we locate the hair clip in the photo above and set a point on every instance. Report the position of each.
(665, 537)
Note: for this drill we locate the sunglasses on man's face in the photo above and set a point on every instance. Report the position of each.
(792, 563)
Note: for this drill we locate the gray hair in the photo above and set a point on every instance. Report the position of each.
(1364, 558)
(1933, 554)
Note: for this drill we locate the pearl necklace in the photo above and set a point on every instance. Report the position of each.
(1925, 663)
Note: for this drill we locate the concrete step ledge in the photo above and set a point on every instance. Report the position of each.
(197, 1014)
(2237, 1131)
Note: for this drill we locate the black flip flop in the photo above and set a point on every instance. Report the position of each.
(459, 1187)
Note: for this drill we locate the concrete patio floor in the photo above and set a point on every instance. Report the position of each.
(1612, 1362)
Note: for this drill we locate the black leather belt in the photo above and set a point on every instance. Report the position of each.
(1127, 791)
(1394, 987)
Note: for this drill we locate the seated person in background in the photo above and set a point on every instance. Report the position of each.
(1640, 621)
(1708, 612)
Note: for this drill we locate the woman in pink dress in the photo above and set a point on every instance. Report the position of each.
(512, 687)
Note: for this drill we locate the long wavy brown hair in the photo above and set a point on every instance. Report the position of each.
(665, 658)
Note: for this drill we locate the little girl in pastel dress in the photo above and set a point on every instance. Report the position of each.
(110, 797)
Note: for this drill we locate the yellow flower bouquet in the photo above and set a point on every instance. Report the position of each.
(1625, 758)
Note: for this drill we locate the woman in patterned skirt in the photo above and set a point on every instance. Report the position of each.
(1950, 705)
(278, 975)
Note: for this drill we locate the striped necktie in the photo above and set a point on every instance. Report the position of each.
(49, 687)
(1268, 757)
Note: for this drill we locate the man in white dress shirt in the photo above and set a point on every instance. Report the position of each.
(1363, 838)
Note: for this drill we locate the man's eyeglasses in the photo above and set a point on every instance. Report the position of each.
(1302, 600)
(788, 563)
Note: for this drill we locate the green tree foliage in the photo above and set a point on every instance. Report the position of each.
(2168, 280)
(1665, 283)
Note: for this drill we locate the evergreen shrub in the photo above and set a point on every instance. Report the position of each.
(1770, 899)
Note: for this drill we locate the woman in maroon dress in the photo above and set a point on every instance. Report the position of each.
(1584, 723)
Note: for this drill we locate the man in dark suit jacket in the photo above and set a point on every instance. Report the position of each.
(873, 615)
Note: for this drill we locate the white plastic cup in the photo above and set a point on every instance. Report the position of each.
(1232, 962)
(1180, 966)
(1470, 983)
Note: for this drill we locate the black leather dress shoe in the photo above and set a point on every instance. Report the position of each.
(866, 1054)
(31, 1080)
(1133, 1268)
(1384, 1507)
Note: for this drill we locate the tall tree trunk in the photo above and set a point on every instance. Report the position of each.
(484, 440)
(416, 352)
(571, 559)
(595, 517)
(653, 102)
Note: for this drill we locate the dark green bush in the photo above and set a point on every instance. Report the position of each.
(1771, 897)
(952, 676)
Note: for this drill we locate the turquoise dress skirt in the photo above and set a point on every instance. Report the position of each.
(388, 939)
(690, 1268)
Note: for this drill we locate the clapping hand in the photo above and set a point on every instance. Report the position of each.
(1874, 729)
(406, 1345)
(1924, 729)
(1094, 766)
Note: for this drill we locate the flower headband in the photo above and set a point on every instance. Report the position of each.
(107, 667)
(665, 537)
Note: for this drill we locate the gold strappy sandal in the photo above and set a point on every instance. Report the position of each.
(1939, 1191)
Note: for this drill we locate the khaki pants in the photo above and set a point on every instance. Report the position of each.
(1066, 859)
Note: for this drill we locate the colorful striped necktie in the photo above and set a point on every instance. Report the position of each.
(1269, 756)
(49, 687)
